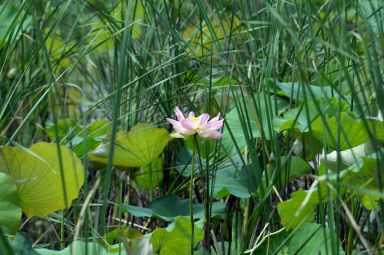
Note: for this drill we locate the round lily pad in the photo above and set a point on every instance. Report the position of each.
(136, 148)
(39, 177)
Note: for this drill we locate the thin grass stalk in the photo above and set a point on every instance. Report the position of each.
(191, 196)
(116, 115)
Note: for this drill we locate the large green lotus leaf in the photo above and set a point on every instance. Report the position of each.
(64, 126)
(308, 238)
(243, 184)
(67, 128)
(227, 185)
(361, 179)
(81, 247)
(354, 132)
(300, 117)
(10, 211)
(168, 207)
(294, 211)
(184, 161)
(22, 245)
(234, 123)
(176, 238)
(296, 167)
(228, 181)
(38, 176)
(295, 90)
(98, 128)
(95, 132)
(137, 148)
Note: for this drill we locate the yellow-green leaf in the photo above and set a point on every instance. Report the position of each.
(136, 148)
(176, 238)
(38, 176)
(104, 32)
(300, 208)
(197, 36)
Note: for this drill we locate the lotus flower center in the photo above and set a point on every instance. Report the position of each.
(195, 119)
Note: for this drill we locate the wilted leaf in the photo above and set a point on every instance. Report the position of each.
(135, 243)
(38, 176)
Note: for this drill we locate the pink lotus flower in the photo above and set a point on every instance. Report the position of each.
(186, 127)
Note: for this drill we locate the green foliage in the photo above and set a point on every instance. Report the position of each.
(64, 126)
(39, 173)
(76, 135)
(296, 167)
(299, 92)
(303, 116)
(358, 179)
(300, 208)
(354, 131)
(137, 148)
(81, 247)
(22, 245)
(263, 111)
(10, 211)
(308, 238)
(176, 238)
(151, 176)
(8, 15)
(361, 179)
(212, 34)
(135, 243)
(168, 207)
(242, 183)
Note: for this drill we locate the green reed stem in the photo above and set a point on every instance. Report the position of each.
(191, 195)
(62, 231)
